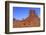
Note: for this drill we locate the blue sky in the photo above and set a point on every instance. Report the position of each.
(22, 12)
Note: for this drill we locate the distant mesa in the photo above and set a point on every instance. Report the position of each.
(14, 19)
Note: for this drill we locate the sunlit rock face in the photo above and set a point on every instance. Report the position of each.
(31, 21)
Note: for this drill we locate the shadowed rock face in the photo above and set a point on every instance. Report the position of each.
(31, 21)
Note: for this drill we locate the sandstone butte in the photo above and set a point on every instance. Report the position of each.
(31, 21)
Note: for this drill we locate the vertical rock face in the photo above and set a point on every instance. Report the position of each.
(31, 21)
(32, 13)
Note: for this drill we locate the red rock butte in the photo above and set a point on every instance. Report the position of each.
(31, 21)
